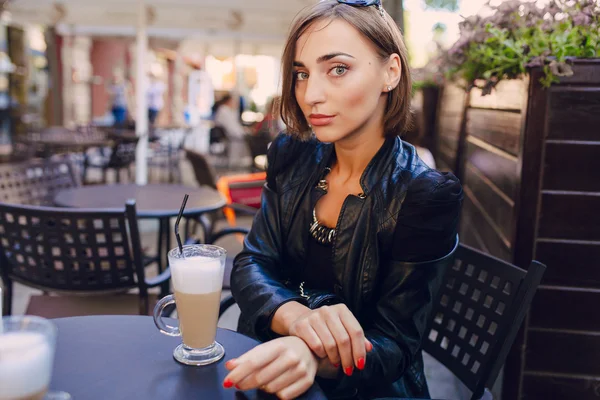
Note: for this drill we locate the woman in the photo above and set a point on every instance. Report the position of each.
(354, 233)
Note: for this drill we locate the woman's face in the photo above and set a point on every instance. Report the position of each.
(341, 82)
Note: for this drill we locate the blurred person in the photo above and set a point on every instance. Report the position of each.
(350, 245)
(155, 95)
(119, 91)
(227, 118)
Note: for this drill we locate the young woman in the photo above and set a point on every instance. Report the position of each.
(338, 273)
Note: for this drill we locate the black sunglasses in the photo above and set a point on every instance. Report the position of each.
(364, 3)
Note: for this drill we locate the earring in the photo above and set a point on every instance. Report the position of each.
(389, 88)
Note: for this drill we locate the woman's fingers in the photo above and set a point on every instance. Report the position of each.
(285, 379)
(327, 340)
(295, 389)
(305, 331)
(280, 367)
(344, 344)
(250, 362)
(357, 338)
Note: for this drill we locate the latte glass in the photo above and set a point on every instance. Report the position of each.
(27, 346)
(197, 277)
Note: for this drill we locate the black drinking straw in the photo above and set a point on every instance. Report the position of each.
(185, 198)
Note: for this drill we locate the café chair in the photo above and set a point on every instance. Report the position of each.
(36, 182)
(121, 158)
(477, 314)
(86, 260)
(206, 176)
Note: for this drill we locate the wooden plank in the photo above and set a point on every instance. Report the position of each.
(569, 216)
(499, 207)
(570, 263)
(560, 387)
(574, 113)
(478, 221)
(508, 95)
(566, 309)
(501, 129)
(449, 125)
(500, 170)
(563, 352)
(453, 98)
(574, 167)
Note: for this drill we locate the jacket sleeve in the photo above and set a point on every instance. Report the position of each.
(424, 242)
(256, 278)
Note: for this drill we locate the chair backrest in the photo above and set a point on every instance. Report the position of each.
(477, 314)
(204, 172)
(123, 152)
(71, 250)
(36, 182)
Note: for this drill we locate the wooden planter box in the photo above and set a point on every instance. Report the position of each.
(529, 161)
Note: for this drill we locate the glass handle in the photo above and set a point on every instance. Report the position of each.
(158, 309)
(57, 396)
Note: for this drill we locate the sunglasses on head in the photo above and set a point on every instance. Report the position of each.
(363, 3)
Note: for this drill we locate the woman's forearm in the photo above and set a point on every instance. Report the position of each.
(286, 315)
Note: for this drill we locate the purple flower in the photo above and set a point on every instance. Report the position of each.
(536, 62)
(581, 19)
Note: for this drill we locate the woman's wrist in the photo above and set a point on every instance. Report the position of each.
(286, 315)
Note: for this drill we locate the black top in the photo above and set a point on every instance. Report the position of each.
(126, 357)
(408, 243)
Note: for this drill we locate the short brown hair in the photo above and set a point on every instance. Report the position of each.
(382, 31)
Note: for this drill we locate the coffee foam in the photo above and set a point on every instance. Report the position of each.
(25, 364)
(197, 275)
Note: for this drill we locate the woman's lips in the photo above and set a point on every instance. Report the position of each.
(320, 119)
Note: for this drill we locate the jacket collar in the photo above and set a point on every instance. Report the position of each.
(374, 171)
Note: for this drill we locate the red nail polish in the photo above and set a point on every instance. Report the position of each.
(348, 371)
(229, 364)
(361, 364)
(336, 365)
(237, 387)
(227, 384)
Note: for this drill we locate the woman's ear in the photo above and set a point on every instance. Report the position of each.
(393, 71)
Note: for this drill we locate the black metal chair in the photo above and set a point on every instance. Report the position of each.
(73, 252)
(122, 156)
(206, 175)
(36, 182)
(477, 314)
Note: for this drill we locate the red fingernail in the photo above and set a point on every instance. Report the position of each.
(348, 371)
(237, 387)
(230, 363)
(227, 384)
(336, 365)
(370, 346)
(360, 364)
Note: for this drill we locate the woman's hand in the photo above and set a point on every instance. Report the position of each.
(285, 367)
(333, 332)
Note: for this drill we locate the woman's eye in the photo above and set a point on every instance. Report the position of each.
(339, 70)
(301, 76)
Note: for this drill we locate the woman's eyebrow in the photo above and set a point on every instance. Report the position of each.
(324, 58)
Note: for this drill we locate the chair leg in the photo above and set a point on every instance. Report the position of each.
(143, 302)
(7, 299)
(104, 175)
(118, 173)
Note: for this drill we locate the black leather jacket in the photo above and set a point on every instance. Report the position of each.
(384, 239)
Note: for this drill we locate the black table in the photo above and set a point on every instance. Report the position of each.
(157, 201)
(126, 357)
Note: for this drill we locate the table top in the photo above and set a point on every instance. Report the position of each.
(69, 139)
(126, 357)
(152, 200)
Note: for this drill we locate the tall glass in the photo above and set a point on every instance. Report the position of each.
(27, 346)
(197, 277)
